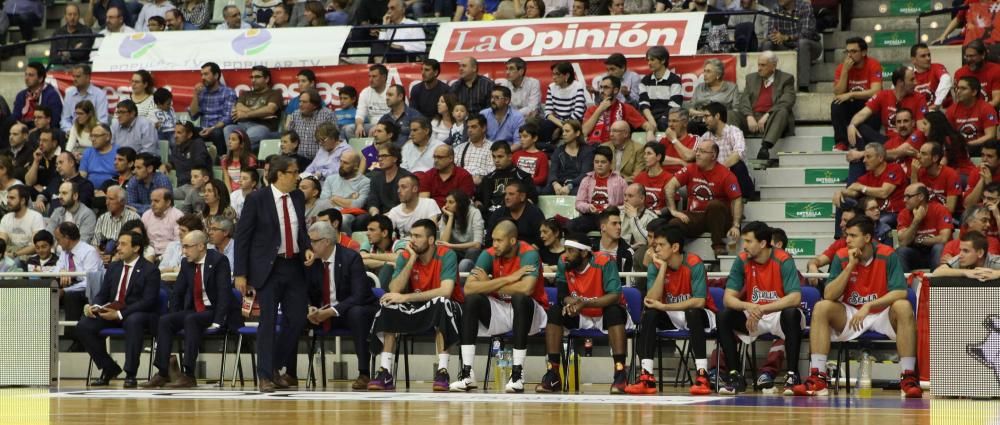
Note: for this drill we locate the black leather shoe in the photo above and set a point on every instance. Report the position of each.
(106, 377)
(130, 382)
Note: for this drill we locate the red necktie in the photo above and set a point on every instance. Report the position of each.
(289, 245)
(72, 264)
(326, 290)
(199, 303)
(121, 286)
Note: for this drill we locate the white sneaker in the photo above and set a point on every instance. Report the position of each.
(514, 386)
(466, 381)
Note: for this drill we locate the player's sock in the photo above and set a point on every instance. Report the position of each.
(817, 361)
(387, 360)
(700, 364)
(908, 363)
(647, 365)
(443, 360)
(519, 356)
(619, 360)
(468, 354)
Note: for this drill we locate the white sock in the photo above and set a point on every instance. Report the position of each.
(647, 365)
(908, 363)
(701, 364)
(443, 361)
(519, 356)
(817, 361)
(387, 360)
(468, 354)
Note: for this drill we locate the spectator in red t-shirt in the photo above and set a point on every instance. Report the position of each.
(989, 172)
(529, 158)
(445, 177)
(903, 145)
(941, 180)
(677, 141)
(976, 219)
(709, 186)
(654, 178)
(959, 20)
(924, 227)
(988, 73)
(973, 117)
(936, 127)
(933, 79)
(856, 79)
(883, 181)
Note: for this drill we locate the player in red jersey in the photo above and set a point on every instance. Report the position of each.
(590, 297)
(933, 79)
(986, 72)
(423, 295)
(866, 291)
(973, 117)
(677, 298)
(941, 180)
(856, 80)
(504, 293)
(771, 294)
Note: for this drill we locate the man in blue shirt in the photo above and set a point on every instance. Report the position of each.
(145, 180)
(82, 90)
(213, 103)
(502, 121)
(399, 112)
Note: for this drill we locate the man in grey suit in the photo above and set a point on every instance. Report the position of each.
(767, 100)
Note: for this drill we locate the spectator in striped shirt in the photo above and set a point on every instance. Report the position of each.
(566, 100)
(474, 156)
(473, 90)
(660, 90)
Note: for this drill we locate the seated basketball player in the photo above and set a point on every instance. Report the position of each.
(677, 299)
(770, 304)
(590, 297)
(866, 291)
(513, 300)
(423, 295)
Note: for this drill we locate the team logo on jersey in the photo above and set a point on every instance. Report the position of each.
(857, 299)
(987, 351)
(968, 130)
(651, 199)
(759, 295)
(892, 175)
(732, 187)
(671, 299)
(600, 198)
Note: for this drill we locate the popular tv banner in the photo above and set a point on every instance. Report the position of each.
(572, 38)
(231, 49)
(332, 78)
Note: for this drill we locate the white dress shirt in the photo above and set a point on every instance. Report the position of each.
(85, 258)
(280, 205)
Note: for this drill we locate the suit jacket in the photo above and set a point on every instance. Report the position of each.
(143, 293)
(216, 283)
(784, 92)
(258, 235)
(354, 287)
(632, 162)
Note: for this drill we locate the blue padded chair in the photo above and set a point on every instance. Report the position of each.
(865, 340)
(574, 334)
(119, 332)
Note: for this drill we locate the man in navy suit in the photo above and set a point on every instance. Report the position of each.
(271, 244)
(202, 299)
(128, 298)
(341, 294)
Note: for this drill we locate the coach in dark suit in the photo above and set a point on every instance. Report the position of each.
(271, 244)
(202, 299)
(129, 295)
(769, 116)
(341, 294)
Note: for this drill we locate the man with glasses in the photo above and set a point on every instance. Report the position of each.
(98, 163)
(418, 151)
(882, 180)
(341, 294)
(628, 160)
(923, 227)
(220, 234)
(327, 160)
(984, 71)
(973, 117)
(617, 66)
(257, 110)
(856, 80)
(273, 222)
(597, 120)
(132, 131)
(384, 195)
(502, 121)
(525, 92)
(436, 183)
(679, 143)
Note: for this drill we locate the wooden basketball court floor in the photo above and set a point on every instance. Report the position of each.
(72, 403)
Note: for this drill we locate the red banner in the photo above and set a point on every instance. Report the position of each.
(574, 38)
(331, 79)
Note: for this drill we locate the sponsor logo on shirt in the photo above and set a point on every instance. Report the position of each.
(759, 295)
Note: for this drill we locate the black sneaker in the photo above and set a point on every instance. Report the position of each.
(733, 384)
(791, 380)
(764, 154)
(551, 382)
(620, 382)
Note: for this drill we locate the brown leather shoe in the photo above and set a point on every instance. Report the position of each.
(265, 386)
(156, 381)
(183, 381)
(361, 383)
(286, 381)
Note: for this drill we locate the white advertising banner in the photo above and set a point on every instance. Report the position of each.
(568, 38)
(231, 49)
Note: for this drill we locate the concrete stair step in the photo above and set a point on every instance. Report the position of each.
(812, 159)
(899, 23)
(792, 143)
(774, 210)
(800, 175)
(798, 192)
(813, 107)
(813, 130)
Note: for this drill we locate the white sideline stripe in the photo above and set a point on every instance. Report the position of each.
(388, 397)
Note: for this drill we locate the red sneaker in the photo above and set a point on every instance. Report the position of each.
(840, 147)
(816, 384)
(909, 385)
(645, 385)
(701, 385)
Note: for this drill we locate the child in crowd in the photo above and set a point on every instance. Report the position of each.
(529, 158)
(458, 133)
(348, 108)
(166, 118)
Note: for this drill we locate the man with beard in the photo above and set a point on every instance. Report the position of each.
(986, 72)
(213, 102)
(504, 293)
(425, 94)
(709, 186)
(598, 119)
(502, 121)
(348, 189)
(423, 295)
(72, 210)
(491, 191)
(973, 117)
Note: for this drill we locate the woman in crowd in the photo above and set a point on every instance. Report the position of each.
(937, 128)
(571, 161)
(444, 122)
(79, 133)
(143, 87)
(714, 88)
(566, 100)
(552, 234)
(462, 228)
(315, 15)
(216, 201)
(236, 159)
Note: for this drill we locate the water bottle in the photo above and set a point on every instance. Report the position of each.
(571, 369)
(506, 361)
(865, 375)
(588, 347)
(497, 354)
